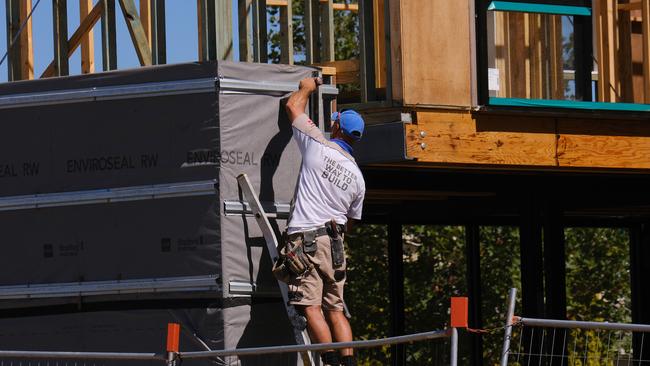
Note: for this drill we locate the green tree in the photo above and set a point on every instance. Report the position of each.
(367, 292)
(500, 263)
(598, 274)
(346, 33)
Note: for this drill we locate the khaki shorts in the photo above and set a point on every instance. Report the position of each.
(323, 285)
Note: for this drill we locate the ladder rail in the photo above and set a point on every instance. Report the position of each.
(297, 321)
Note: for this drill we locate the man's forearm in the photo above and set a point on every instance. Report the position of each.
(297, 103)
(298, 100)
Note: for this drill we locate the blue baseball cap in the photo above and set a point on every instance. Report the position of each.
(351, 123)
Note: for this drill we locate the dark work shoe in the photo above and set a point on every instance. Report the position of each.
(331, 358)
(348, 361)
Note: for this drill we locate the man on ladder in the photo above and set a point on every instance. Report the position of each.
(330, 190)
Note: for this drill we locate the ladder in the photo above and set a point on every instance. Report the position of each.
(298, 322)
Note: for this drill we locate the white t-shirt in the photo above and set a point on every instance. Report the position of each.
(330, 184)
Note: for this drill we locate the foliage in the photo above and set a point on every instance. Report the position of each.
(500, 263)
(367, 292)
(598, 274)
(434, 269)
(346, 33)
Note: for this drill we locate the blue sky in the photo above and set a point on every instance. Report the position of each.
(182, 42)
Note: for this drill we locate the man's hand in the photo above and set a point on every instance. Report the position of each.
(310, 84)
(298, 100)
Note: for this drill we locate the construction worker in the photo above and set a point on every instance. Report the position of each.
(330, 191)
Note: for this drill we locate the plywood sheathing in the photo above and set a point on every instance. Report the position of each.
(436, 44)
(501, 140)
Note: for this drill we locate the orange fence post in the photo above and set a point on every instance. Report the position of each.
(173, 339)
(459, 312)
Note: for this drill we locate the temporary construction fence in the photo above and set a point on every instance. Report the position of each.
(531, 341)
(173, 356)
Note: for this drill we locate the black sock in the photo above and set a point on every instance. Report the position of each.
(348, 361)
(330, 358)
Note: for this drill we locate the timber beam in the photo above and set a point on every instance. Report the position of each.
(78, 36)
(87, 42)
(20, 49)
(137, 32)
(464, 138)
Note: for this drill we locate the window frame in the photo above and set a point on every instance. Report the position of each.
(583, 40)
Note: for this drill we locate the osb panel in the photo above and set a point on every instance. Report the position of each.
(436, 55)
(458, 138)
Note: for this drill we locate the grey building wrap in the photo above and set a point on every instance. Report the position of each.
(112, 196)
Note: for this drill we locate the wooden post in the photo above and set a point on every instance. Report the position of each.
(223, 29)
(528, 61)
(645, 24)
(202, 23)
(624, 55)
(60, 32)
(327, 28)
(367, 53)
(245, 31)
(260, 32)
(158, 36)
(310, 20)
(606, 40)
(87, 42)
(556, 59)
(583, 41)
(286, 33)
(215, 30)
(380, 43)
(84, 26)
(387, 51)
(536, 41)
(109, 43)
(26, 47)
(138, 36)
(394, 7)
(502, 45)
(13, 48)
(145, 19)
(519, 75)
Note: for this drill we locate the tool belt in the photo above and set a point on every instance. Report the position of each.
(293, 257)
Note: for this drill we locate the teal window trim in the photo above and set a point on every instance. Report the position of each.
(568, 104)
(539, 8)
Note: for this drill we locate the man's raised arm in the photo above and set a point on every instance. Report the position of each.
(298, 100)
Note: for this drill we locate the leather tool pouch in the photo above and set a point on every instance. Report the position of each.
(292, 260)
(338, 252)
